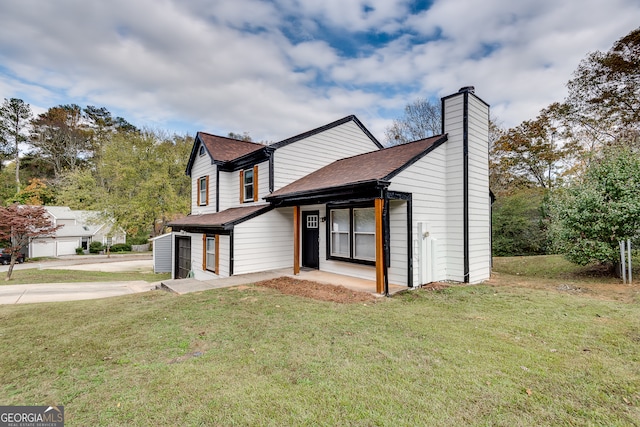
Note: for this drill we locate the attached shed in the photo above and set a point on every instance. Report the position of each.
(162, 253)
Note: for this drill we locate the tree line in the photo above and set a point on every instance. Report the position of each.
(567, 181)
(87, 159)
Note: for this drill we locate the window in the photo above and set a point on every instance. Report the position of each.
(203, 191)
(364, 234)
(201, 152)
(249, 185)
(353, 234)
(340, 233)
(210, 253)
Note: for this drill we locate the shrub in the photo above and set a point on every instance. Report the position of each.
(79, 251)
(120, 247)
(95, 247)
(137, 240)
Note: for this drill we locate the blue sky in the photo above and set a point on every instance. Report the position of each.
(280, 67)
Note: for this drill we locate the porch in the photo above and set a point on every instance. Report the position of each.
(183, 286)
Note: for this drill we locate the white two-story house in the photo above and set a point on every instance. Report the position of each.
(334, 199)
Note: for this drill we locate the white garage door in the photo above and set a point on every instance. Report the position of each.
(43, 248)
(67, 247)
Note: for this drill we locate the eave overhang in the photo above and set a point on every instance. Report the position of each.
(359, 190)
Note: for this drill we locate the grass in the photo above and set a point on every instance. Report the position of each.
(556, 267)
(466, 355)
(34, 275)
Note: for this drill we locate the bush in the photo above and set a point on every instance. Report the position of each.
(79, 251)
(95, 247)
(138, 240)
(120, 247)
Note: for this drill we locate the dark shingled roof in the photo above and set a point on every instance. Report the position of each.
(227, 149)
(375, 166)
(223, 219)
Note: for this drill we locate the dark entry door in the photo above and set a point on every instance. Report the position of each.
(310, 239)
(183, 257)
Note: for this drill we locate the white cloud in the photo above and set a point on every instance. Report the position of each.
(270, 68)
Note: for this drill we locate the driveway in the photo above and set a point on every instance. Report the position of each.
(50, 292)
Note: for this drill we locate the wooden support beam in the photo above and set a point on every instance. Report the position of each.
(296, 240)
(379, 205)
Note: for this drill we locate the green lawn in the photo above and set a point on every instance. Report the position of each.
(34, 275)
(474, 355)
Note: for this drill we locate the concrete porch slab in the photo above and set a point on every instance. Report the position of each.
(183, 286)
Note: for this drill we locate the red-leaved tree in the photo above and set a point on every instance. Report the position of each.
(21, 223)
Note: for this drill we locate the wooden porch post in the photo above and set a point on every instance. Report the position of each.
(296, 240)
(379, 205)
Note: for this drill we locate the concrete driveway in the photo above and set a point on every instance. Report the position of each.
(50, 292)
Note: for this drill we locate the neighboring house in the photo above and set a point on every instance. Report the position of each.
(79, 229)
(334, 199)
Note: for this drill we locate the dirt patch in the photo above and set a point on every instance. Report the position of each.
(607, 289)
(435, 286)
(318, 291)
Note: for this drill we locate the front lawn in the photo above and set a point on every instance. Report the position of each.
(463, 355)
(34, 275)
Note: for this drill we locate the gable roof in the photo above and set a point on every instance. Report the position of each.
(369, 169)
(221, 149)
(86, 223)
(224, 220)
(331, 125)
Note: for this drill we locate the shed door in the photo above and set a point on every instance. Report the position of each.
(310, 239)
(183, 257)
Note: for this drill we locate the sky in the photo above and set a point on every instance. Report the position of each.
(277, 68)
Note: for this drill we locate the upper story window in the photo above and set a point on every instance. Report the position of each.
(249, 185)
(201, 151)
(203, 191)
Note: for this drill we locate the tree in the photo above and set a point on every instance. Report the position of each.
(421, 119)
(591, 218)
(36, 193)
(517, 224)
(103, 125)
(604, 93)
(61, 138)
(20, 224)
(536, 152)
(79, 190)
(142, 181)
(14, 117)
(240, 136)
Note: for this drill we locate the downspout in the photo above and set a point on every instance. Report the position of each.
(231, 252)
(410, 242)
(465, 179)
(217, 188)
(385, 238)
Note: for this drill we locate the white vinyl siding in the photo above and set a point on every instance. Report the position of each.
(202, 167)
(302, 157)
(425, 179)
(162, 258)
(479, 201)
(264, 242)
(453, 126)
(397, 268)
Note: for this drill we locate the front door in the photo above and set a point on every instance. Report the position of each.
(310, 239)
(183, 257)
